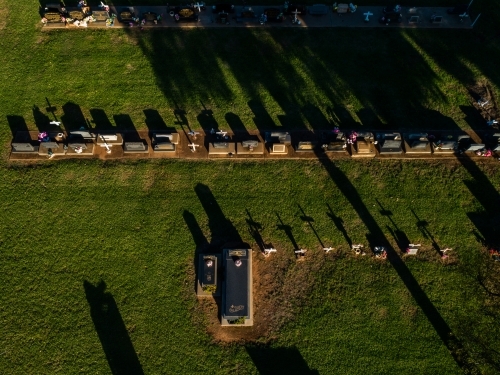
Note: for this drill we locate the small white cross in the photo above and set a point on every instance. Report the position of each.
(193, 147)
(300, 251)
(445, 250)
(328, 249)
(367, 14)
(58, 123)
(222, 133)
(268, 252)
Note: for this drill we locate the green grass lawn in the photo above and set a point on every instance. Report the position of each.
(69, 225)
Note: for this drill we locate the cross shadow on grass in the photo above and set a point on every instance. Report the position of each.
(111, 329)
(272, 361)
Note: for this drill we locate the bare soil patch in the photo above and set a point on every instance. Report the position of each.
(281, 286)
(484, 100)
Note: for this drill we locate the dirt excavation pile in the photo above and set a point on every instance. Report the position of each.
(484, 100)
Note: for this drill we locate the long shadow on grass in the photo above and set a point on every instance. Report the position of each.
(111, 329)
(199, 238)
(272, 361)
(339, 224)
(17, 124)
(222, 230)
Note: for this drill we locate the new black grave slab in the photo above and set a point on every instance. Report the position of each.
(208, 280)
(237, 295)
(389, 143)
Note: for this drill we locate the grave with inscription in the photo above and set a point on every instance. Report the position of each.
(185, 14)
(250, 147)
(361, 144)
(225, 147)
(237, 295)
(334, 141)
(208, 280)
(135, 147)
(389, 143)
(163, 142)
(417, 143)
(23, 144)
(306, 146)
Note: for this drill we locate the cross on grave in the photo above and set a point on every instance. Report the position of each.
(295, 19)
(57, 123)
(193, 146)
(444, 251)
(268, 252)
(193, 134)
(300, 253)
(328, 249)
(380, 252)
(221, 133)
(359, 249)
(199, 5)
(482, 103)
(108, 149)
(367, 16)
(491, 122)
(412, 249)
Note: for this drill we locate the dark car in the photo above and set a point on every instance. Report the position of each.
(223, 8)
(391, 18)
(392, 9)
(459, 9)
(185, 14)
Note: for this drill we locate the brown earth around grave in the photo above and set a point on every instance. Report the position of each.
(481, 91)
(5, 14)
(281, 286)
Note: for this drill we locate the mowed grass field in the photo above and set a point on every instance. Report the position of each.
(97, 257)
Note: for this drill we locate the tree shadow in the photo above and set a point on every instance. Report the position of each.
(452, 342)
(272, 361)
(111, 329)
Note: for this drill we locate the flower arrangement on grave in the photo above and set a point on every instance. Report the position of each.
(44, 20)
(352, 137)
(43, 137)
(240, 320)
(336, 130)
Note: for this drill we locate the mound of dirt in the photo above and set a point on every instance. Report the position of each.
(483, 99)
(281, 286)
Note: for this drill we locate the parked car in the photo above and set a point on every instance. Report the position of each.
(391, 18)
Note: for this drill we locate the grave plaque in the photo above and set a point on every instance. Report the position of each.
(24, 147)
(164, 146)
(100, 15)
(306, 146)
(279, 149)
(237, 284)
(47, 145)
(221, 145)
(250, 143)
(134, 147)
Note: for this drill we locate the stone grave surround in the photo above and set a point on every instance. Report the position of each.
(360, 144)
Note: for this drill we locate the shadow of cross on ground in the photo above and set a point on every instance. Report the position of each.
(422, 225)
(254, 228)
(111, 329)
(309, 220)
(339, 224)
(272, 361)
(459, 353)
(288, 231)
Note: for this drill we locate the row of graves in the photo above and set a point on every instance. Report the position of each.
(228, 277)
(34, 145)
(80, 14)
